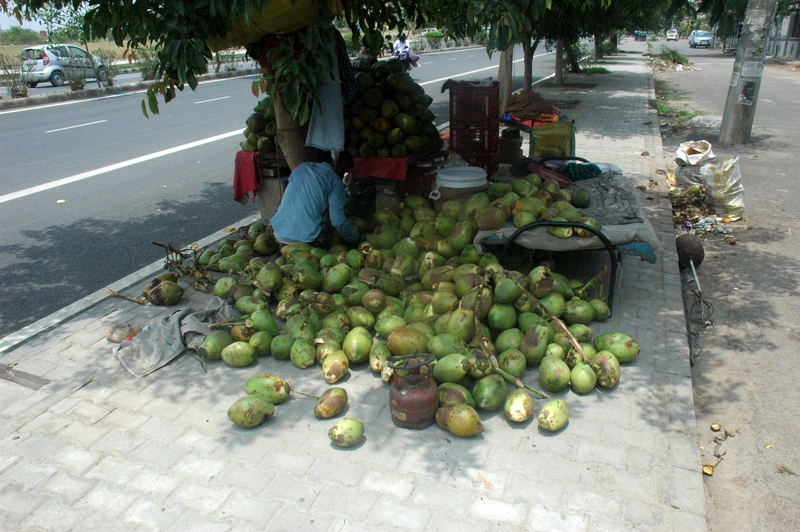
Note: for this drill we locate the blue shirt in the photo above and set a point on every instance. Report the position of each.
(313, 189)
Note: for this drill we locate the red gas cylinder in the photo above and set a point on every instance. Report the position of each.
(413, 395)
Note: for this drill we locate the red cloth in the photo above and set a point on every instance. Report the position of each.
(383, 167)
(542, 120)
(245, 176)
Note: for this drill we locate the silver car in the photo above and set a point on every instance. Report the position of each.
(57, 62)
(700, 38)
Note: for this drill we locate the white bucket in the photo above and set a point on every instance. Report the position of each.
(458, 177)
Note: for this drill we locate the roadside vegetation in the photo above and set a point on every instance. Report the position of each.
(595, 70)
(673, 56)
(674, 110)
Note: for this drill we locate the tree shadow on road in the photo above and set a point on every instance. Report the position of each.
(66, 262)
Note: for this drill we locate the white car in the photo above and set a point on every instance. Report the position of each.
(672, 35)
(54, 62)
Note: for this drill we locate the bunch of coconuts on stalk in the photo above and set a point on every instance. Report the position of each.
(415, 284)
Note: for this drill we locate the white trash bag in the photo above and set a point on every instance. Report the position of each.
(724, 190)
(691, 157)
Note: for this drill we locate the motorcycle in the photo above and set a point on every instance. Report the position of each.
(408, 58)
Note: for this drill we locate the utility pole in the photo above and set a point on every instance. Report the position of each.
(740, 107)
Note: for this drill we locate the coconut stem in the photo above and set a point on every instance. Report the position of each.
(232, 323)
(490, 351)
(295, 390)
(591, 282)
(139, 300)
(561, 325)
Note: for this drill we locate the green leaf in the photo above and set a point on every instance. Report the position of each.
(144, 110)
(152, 101)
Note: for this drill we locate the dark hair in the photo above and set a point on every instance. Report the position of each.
(402, 36)
(343, 163)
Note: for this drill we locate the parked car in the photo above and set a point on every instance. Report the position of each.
(639, 35)
(700, 38)
(672, 35)
(57, 62)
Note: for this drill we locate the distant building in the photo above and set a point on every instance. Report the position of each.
(784, 37)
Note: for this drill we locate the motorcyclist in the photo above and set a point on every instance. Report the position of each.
(400, 45)
(402, 49)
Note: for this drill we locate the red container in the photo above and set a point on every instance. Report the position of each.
(472, 102)
(475, 123)
(414, 395)
(482, 138)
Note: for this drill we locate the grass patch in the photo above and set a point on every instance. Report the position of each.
(663, 107)
(595, 70)
(673, 56)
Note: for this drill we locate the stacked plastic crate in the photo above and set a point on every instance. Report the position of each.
(475, 123)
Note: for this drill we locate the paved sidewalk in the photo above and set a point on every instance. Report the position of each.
(86, 446)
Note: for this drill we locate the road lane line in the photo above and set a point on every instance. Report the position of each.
(495, 67)
(116, 166)
(213, 99)
(79, 125)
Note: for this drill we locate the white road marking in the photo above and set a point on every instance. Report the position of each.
(79, 125)
(213, 99)
(116, 166)
(465, 74)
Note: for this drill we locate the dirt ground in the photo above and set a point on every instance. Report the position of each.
(745, 361)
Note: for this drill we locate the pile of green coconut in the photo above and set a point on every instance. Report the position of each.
(416, 284)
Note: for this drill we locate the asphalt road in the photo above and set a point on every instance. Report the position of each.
(745, 372)
(86, 185)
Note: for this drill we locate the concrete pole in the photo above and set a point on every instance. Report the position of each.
(740, 107)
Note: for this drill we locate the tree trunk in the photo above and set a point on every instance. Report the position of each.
(614, 39)
(528, 49)
(558, 80)
(740, 106)
(504, 77)
(598, 46)
(572, 58)
(527, 76)
(291, 137)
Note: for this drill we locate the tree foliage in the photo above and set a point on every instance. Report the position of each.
(19, 35)
(63, 24)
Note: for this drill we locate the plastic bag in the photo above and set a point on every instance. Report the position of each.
(724, 190)
(688, 175)
(694, 152)
(692, 157)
